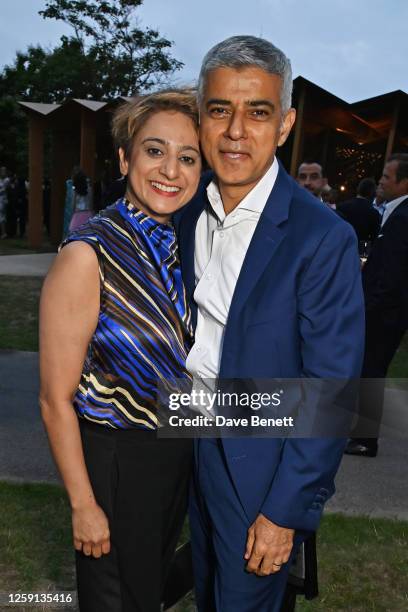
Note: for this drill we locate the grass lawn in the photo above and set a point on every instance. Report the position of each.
(19, 320)
(20, 246)
(19, 297)
(362, 566)
(362, 562)
(399, 365)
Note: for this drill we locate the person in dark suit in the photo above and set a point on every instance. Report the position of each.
(385, 281)
(359, 211)
(269, 271)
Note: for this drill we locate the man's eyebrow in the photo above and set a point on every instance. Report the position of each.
(223, 102)
(261, 103)
(166, 143)
(219, 101)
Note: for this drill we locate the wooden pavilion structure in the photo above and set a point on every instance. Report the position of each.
(349, 140)
(80, 136)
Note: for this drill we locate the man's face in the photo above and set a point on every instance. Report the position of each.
(310, 176)
(388, 187)
(241, 124)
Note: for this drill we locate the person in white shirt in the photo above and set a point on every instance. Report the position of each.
(274, 282)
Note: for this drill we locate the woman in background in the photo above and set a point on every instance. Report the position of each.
(82, 205)
(114, 321)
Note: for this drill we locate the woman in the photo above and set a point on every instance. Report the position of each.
(113, 321)
(81, 199)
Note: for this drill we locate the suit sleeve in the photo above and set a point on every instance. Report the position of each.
(331, 320)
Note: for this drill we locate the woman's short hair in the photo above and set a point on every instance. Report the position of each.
(131, 116)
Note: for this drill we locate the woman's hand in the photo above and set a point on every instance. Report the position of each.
(90, 529)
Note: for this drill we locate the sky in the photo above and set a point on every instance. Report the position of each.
(356, 49)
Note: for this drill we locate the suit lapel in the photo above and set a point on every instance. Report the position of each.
(269, 233)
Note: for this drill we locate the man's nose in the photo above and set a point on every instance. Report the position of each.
(236, 127)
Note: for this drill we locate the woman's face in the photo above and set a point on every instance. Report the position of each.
(164, 165)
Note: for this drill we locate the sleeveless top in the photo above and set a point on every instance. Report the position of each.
(144, 329)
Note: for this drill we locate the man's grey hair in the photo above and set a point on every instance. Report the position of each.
(241, 51)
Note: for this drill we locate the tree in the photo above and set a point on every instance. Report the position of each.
(109, 54)
(125, 57)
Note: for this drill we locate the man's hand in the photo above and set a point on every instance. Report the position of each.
(268, 546)
(91, 530)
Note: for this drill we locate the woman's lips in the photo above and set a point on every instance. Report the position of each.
(168, 191)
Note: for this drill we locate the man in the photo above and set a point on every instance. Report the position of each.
(385, 281)
(310, 176)
(275, 286)
(379, 202)
(360, 213)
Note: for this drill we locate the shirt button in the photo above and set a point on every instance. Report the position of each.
(208, 276)
(222, 234)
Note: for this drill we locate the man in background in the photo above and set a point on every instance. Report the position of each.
(310, 176)
(360, 213)
(385, 282)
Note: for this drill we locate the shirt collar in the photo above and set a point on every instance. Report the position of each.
(392, 205)
(254, 201)
(160, 233)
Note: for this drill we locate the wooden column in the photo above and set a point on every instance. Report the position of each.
(35, 176)
(393, 130)
(88, 143)
(298, 136)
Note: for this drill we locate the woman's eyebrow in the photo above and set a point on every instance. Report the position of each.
(166, 143)
(190, 148)
(159, 140)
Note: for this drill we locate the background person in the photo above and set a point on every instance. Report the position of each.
(360, 213)
(113, 322)
(82, 202)
(4, 181)
(310, 176)
(385, 282)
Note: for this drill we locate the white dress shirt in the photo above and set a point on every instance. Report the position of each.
(221, 243)
(391, 206)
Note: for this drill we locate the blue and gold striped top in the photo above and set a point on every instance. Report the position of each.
(144, 330)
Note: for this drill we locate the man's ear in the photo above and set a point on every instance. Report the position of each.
(287, 124)
(123, 162)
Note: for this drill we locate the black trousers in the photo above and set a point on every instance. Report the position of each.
(141, 483)
(382, 342)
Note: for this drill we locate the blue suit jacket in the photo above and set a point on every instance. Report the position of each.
(297, 311)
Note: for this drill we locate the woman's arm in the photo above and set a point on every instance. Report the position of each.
(69, 311)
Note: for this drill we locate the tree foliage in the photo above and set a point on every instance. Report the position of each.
(109, 54)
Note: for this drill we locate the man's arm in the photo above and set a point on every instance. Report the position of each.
(331, 327)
